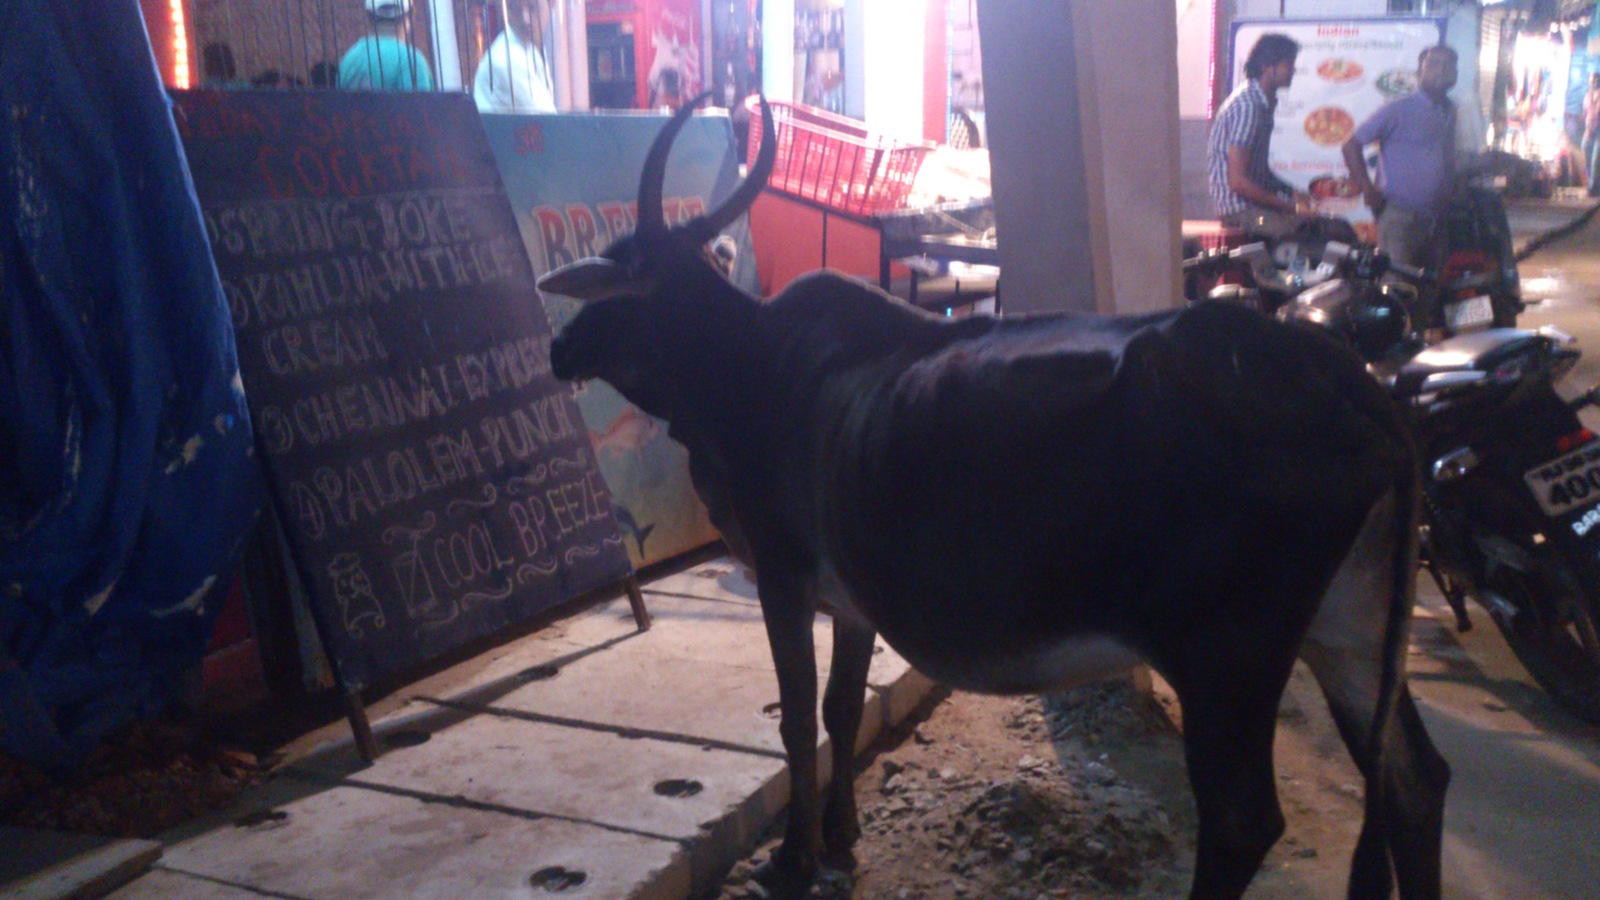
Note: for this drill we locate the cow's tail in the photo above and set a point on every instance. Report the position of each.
(1371, 875)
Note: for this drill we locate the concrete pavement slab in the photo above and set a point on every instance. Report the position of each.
(649, 760)
(731, 633)
(705, 616)
(720, 579)
(634, 687)
(44, 865)
(727, 580)
(160, 883)
(584, 633)
(729, 639)
(714, 802)
(349, 842)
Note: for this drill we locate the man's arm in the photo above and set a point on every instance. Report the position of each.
(1279, 186)
(1450, 149)
(1355, 160)
(1240, 183)
(1375, 129)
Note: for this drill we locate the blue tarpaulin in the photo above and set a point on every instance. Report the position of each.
(127, 481)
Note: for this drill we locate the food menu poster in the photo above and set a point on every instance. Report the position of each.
(572, 180)
(1347, 69)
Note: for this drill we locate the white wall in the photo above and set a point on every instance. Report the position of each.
(1461, 33)
(572, 55)
(891, 73)
(1334, 9)
(1194, 56)
(777, 50)
(1308, 9)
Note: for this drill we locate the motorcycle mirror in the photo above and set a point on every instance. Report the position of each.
(1559, 338)
(1591, 397)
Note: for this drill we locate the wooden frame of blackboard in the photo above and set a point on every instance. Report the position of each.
(434, 481)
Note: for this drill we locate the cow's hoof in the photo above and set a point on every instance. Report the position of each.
(783, 882)
(843, 859)
(840, 831)
(838, 843)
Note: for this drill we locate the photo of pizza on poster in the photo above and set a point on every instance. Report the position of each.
(1346, 70)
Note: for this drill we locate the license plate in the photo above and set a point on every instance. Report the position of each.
(1568, 482)
(1469, 312)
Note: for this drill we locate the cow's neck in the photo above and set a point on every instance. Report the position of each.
(719, 367)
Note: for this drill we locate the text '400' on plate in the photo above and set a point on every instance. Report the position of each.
(1564, 484)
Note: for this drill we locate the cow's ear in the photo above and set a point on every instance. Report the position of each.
(594, 278)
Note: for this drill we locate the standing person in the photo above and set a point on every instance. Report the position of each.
(385, 60)
(1591, 133)
(513, 75)
(1416, 137)
(1243, 187)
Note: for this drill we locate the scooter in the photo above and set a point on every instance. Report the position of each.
(1511, 481)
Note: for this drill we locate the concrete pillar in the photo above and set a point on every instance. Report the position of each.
(1082, 121)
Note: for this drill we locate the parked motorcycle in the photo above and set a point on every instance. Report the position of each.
(1511, 486)
(1478, 279)
(1477, 285)
(1286, 264)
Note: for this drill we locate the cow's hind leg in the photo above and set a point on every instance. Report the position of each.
(841, 715)
(1408, 818)
(1229, 721)
(1346, 649)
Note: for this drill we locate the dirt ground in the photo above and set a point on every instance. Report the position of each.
(1081, 794)
(151, 777)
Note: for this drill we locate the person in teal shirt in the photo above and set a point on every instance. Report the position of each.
(384, 60)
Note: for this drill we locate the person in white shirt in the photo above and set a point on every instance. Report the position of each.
(513, 75)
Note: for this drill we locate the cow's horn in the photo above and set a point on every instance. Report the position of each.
(704, 229)
(652, 222)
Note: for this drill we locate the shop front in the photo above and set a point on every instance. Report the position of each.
(1545, 66)
(440, 45)
(644, 54)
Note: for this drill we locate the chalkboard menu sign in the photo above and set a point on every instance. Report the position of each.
(435, 482)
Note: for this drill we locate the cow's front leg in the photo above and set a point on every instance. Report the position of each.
(789, 611)
(841, 715)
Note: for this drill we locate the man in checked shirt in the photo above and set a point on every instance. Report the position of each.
(1245, 191)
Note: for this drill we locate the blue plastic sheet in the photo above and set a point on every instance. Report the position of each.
(126, 477)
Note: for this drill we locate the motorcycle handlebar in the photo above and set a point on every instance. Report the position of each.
(1209, 263)
(1257, 260)
(1411, 272)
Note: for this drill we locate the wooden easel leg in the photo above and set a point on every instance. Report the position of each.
(641, 616)
(356, 712)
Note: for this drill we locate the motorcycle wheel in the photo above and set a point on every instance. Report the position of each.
(1554, 630)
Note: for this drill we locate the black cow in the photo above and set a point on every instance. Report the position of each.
(1020, 504)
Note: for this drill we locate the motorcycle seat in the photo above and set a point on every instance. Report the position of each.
(1478, 352)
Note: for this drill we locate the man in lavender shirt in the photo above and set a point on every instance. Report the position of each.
(1416, 161)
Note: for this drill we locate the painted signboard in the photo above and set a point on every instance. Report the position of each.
(434, 481)
(1347, 69)
(572, 180)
